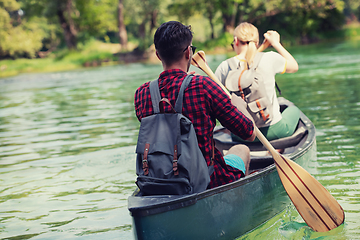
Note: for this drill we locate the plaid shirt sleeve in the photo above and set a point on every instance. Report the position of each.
(228, 115)
(142, 100)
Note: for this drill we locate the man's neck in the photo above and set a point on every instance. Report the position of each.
(178, 65)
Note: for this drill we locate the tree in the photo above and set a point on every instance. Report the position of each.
(95, 18)
(306, 16)
(305, 19)
(122, 29)
(58, 12)
(141, 17)
(228, 10)
(64, 10)
(209, 13)
(352, 10)
(184, 10)
(18, 38)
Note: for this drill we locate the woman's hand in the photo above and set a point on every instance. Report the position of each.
(273, 37)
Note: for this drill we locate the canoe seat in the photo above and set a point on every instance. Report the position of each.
(282, 143)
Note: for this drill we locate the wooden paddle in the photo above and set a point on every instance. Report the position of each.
(316, 205)
(263, 46)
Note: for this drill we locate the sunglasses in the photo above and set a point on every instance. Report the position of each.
(242, 42)
(193, 48)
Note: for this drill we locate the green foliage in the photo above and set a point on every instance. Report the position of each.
(141, 17)
(222, 41)
(9, 5)
(19, 38)
(352, 10)
(21, 41)
(183, 10)
(90, 18)
(86, 53)
(95, 18)
(39, 29)
(94, 53)
(350, 32)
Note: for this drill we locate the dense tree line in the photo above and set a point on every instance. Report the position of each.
(33, 28)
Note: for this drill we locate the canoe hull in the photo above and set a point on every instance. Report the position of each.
(222, 216)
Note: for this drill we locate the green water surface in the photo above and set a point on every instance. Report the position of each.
(67, 148)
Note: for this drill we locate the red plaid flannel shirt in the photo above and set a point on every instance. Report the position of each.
(204, 102)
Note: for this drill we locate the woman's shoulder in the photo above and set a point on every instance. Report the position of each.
(272, 62)
(272, 57)
(271, 54)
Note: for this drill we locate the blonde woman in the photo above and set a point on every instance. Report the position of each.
(245, 43)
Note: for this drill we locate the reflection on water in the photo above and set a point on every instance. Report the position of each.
(327, 90)
(64, 197)
(67, 142)
(67, 153)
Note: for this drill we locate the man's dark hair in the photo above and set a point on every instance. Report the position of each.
(170, 39)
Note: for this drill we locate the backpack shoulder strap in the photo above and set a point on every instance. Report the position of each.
(155, 95)
(232, 63)
(256, 62)
(179, 100)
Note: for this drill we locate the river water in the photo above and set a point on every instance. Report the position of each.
(67, 142)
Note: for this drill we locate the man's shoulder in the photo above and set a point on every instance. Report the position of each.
(202, 81)
(143, 87)
(199, 79)
(206, 85)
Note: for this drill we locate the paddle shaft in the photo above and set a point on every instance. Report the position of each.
(263, 46)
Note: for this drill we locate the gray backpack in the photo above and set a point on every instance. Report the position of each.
(250, 86)
(169, 160)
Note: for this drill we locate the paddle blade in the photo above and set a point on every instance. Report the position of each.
(316, 205)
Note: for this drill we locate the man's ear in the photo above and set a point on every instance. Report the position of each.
(157, 54)
(187, 53)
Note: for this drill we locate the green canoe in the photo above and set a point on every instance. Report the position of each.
(231, 210)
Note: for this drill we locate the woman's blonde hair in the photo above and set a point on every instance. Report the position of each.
(248, 33)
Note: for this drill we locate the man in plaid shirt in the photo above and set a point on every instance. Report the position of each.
(204, 102)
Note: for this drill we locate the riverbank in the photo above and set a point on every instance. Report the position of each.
(96, 53)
